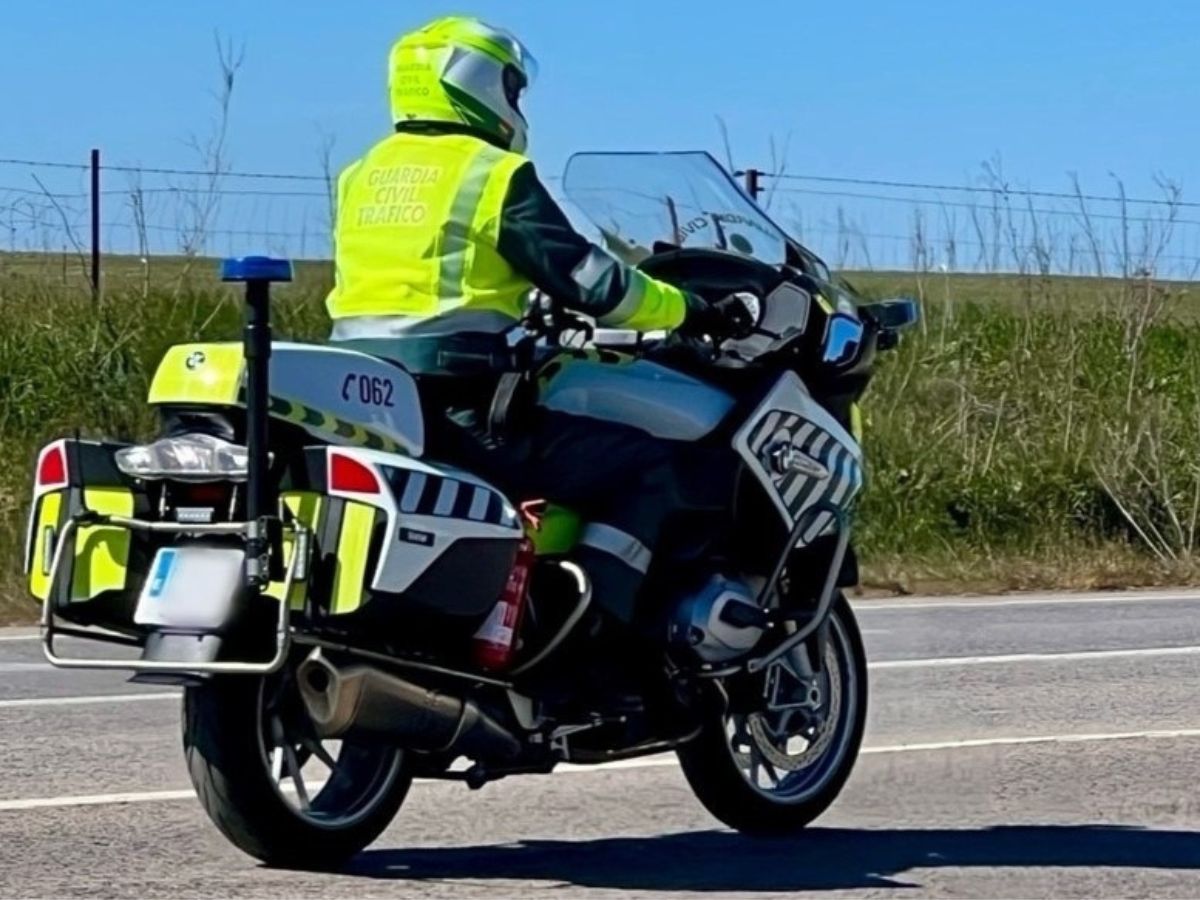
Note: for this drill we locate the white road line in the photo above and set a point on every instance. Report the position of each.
(93, 800)
(119, 798)
(25, 667)
(982, 601)
(941, 662)
(1183, 595)
(660, 760)
(986, 602)
(970, 743)
(938, 662)
(90, 699)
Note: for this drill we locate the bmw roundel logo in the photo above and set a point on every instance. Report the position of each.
(195, 360)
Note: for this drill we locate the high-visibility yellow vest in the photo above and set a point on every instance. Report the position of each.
(418, 220)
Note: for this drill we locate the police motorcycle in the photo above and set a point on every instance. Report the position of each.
(346, 613)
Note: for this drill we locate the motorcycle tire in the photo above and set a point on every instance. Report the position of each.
(711, 764)
(224, 749)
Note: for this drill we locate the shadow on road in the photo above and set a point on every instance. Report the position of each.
(823, 859)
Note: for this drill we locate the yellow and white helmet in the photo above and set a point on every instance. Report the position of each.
(464, 71)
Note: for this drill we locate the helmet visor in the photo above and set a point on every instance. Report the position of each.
(529, 65)
(509, 46)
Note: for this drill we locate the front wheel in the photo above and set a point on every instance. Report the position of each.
(276, 790)
(781, 752)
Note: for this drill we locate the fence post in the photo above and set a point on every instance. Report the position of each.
(752, 185)
(95, 224)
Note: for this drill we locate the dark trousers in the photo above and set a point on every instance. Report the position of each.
(624, 482)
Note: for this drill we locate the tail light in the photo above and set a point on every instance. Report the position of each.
(495, 643)
(348, 475)
(50, 475)
(51, 468)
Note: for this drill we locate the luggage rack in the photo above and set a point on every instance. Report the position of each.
(257, 273)
(50, 629)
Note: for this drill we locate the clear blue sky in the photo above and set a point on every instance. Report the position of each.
(916, 90)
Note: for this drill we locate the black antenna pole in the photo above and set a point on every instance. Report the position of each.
(257, 273)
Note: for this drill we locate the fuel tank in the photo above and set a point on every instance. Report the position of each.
(645, 395)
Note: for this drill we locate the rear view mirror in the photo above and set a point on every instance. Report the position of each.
(894, 314)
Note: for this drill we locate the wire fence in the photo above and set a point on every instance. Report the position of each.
(47, 206)
(990, 226)
(983, 225)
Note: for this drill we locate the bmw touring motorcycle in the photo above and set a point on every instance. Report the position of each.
(347, 614)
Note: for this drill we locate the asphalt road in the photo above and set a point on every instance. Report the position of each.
(1020, 747)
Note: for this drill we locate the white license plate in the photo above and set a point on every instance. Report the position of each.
(191, 587)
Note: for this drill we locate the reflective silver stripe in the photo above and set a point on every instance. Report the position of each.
(814, 451)
(765, 430)
(628, 307)
(842, 466)
(816, 488)
(800, 438)
(593, 269)
(457, 231)
(821, 522)
(618, 543)
(479, 503)
(412, 492)
(846, 475)
(446, 497)
(457, 321)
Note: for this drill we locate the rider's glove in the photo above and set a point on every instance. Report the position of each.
(733, 316)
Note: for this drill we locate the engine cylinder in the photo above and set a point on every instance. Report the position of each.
(718, 623)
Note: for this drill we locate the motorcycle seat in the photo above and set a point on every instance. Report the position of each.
(468, 353)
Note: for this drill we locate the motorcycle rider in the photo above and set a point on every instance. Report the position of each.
(443, 229)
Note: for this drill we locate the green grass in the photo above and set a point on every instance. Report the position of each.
(1036, 433)
(1031, 433)
(69, 363)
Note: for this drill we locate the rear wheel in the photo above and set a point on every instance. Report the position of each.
(781, 753)
(276, 790)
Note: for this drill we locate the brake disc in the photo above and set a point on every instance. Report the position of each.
(764, 740)
(772, 737)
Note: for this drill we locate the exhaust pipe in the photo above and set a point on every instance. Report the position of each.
(363, 698)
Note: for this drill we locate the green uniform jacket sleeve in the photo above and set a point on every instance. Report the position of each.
(538, 241)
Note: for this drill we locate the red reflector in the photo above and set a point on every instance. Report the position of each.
(346, 474)
(52, 469)
(202, 494)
